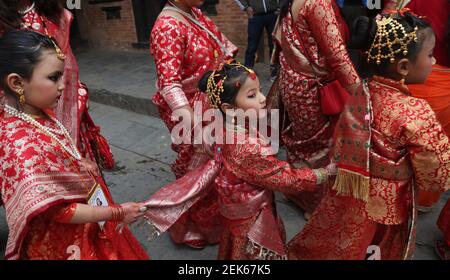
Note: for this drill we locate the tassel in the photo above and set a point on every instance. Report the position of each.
(100, 147)
(352, 184)
(107, 158)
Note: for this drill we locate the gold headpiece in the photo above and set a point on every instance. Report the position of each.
(391, 37)
(214, 90)
(59, 53)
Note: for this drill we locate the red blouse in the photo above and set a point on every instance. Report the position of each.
(183, 53)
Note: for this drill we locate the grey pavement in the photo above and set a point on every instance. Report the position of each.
(141, 145)
(127, 79)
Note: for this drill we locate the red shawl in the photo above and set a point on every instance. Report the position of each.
(34, 177)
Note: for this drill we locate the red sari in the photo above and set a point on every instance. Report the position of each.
(40, 185)
(183, 53)
(245, 175)
(253, 229)
(72, 108)
(407, 149)
(314, 40)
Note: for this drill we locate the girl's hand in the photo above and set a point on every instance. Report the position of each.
(324, 175)
(132, 212)
(249, 12)
(331, 169)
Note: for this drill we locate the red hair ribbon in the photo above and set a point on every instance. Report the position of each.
(402, 12)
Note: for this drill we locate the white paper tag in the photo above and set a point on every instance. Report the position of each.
(98, 199)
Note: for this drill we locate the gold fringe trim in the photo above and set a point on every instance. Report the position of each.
(262, 253)
(349, 183)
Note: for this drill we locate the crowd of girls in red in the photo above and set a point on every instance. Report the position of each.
(361, 145)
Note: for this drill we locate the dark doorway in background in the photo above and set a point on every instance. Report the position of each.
(145, 14)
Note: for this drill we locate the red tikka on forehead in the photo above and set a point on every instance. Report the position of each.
(251, 74)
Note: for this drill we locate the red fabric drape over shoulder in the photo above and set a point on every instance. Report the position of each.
(36, 175)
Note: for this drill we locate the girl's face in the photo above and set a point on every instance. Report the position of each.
(421, 68)
(250, 97)
(46, 84)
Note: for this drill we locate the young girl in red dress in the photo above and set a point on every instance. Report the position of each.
(245, 173)
(185, 44)
(49, 190)
(388, 145)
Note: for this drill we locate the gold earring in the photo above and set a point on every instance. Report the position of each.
(21, 94)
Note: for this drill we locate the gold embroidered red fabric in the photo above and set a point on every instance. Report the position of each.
(404, 130)
(253, 230)
(315, 40)
(183, 53)
(39, 185)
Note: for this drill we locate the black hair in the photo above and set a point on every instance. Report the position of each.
(163, 3)
(284, 7)
(363, 34)
(11, 18)
(235, 74)
(51, 9)
(9, 15)
(20, 51)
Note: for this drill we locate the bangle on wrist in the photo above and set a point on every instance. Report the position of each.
(113, 213)
(322, 175)
(117, 213)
